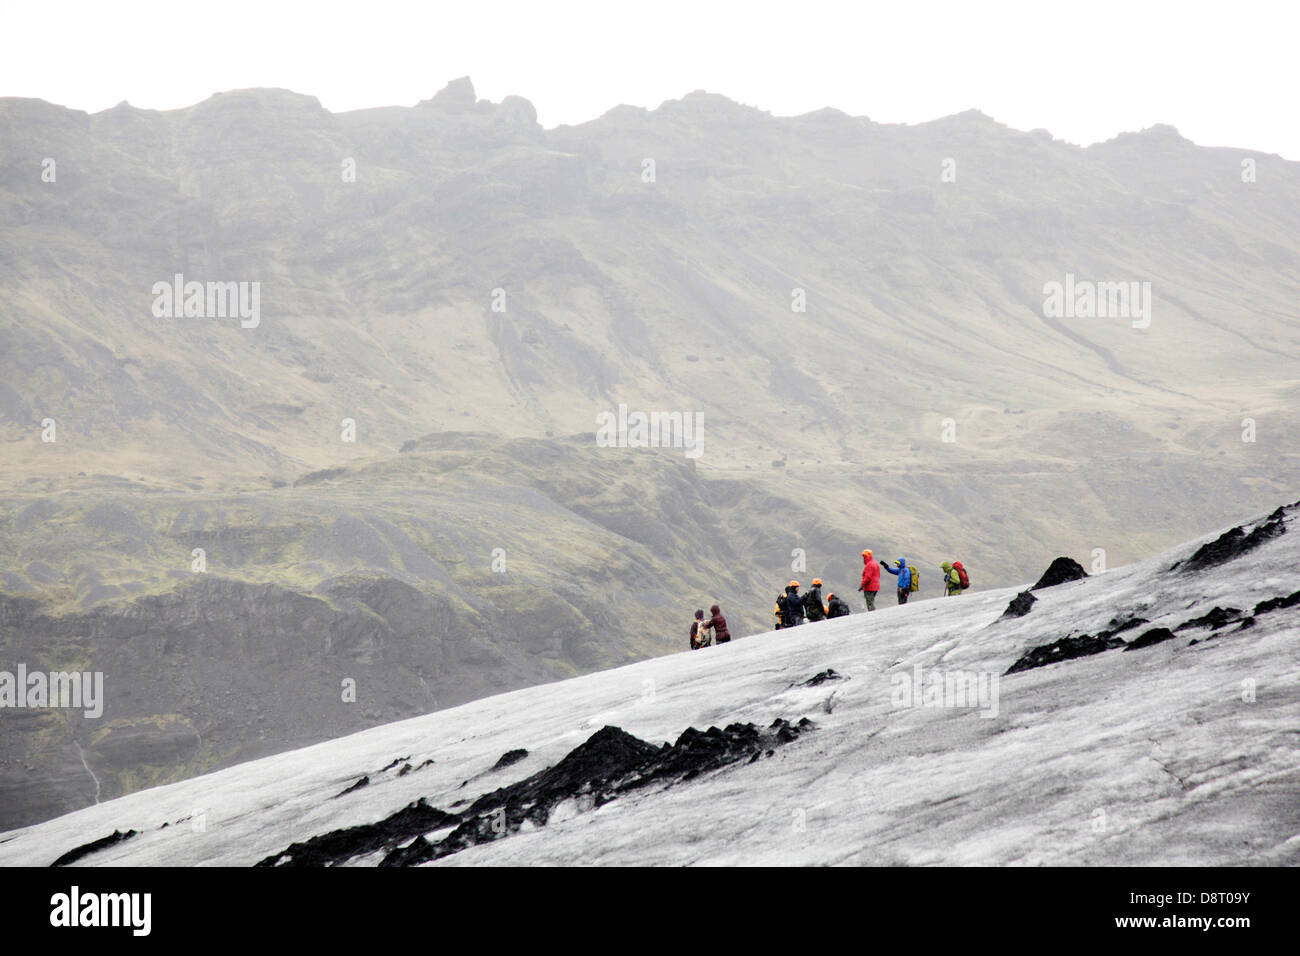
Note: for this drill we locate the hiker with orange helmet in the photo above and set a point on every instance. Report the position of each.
(813, 607)
(790, 604)
(835, 606)
(870, 579)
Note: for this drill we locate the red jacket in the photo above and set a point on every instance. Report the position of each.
(870, 574)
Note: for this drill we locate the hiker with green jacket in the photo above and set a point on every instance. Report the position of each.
(951, 580)
(955, 578)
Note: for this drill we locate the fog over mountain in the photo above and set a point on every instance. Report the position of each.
(385, 469)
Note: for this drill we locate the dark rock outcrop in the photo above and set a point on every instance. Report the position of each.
(1214, 619)
(339, 846)
(609, 764)
(1066, 649)
(1020, 605)
(510, 758)
(822, 677)
(1157, 635)
(1061, 570)
(1116, 626)
(1235, 542)
(77, 853)
(1277, 603)
(363, 782)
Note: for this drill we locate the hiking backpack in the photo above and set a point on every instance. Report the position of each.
(916, 582)
(961, 573)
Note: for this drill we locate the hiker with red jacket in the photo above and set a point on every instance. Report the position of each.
(718, 624)
(870, 579)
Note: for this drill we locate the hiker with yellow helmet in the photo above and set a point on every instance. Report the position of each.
(908, 578)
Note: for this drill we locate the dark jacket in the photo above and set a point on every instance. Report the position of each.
(719, 624)
(791, 607)
(812, 604)
(836, 607)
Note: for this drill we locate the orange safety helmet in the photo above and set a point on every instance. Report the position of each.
(794, 584)
(866, 553)
(817, 582)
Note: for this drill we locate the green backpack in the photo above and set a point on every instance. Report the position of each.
(916, 581)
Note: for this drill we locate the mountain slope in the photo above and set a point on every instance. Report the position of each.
(824, 429)
(463, 566)
(925, 298)
(1175, 748)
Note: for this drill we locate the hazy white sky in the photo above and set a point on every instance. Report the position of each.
(1225, 74)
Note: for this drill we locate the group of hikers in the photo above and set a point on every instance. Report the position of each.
(956, 580)
(793, 608)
